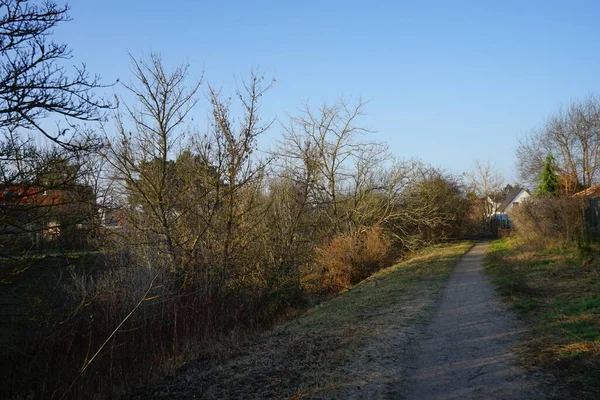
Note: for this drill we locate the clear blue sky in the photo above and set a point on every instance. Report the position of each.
(450, 81)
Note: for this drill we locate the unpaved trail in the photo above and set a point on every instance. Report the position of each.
(467, 349)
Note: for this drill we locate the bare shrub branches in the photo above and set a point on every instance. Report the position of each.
(33, 81)
(142, 155)
(549, 218)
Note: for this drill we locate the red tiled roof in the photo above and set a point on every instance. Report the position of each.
(593, 191)
(14, 195)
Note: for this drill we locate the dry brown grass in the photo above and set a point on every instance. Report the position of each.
(554, 288)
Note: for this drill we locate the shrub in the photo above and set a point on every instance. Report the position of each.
(348, 259)
(548, 218)
(172, 324)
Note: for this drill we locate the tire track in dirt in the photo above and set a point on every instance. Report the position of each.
(466, 351)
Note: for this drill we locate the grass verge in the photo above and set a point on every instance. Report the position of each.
(357, 339)
(426, 270)
(556, 288)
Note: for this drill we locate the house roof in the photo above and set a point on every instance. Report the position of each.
(509, 198)
(22, 195)
(18, 194)
(593, 191)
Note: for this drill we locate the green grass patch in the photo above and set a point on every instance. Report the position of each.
(556, 288)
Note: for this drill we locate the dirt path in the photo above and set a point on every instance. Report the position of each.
(466, 351)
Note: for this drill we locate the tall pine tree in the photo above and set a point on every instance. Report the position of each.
(548, 182)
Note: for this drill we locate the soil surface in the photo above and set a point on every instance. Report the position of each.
(467, 349)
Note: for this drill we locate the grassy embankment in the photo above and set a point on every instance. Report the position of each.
(556, 288)
(358, 339)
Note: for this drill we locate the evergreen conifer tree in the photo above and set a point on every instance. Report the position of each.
(549, 182)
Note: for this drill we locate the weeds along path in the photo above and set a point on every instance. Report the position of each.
(357, 345)
(466, 351)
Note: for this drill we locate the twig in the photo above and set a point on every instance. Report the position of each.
(113, 333)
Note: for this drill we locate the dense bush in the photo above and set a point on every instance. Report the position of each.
(549, 218)
(348, 259)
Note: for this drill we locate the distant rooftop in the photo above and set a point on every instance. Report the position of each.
(593, 191)
(508, 198)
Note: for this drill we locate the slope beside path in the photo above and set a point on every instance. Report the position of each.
(355, 346)
(391, 337)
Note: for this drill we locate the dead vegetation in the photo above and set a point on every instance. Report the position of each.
(549, 218)
(354, 344)
(347, 260)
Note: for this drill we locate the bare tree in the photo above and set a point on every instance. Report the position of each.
(319, 150)
(238, 172)
(33, 82)
(143, 154)
(487, 183)
(35, 85)
(572, 137)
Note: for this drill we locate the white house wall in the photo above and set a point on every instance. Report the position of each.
(519, 199)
